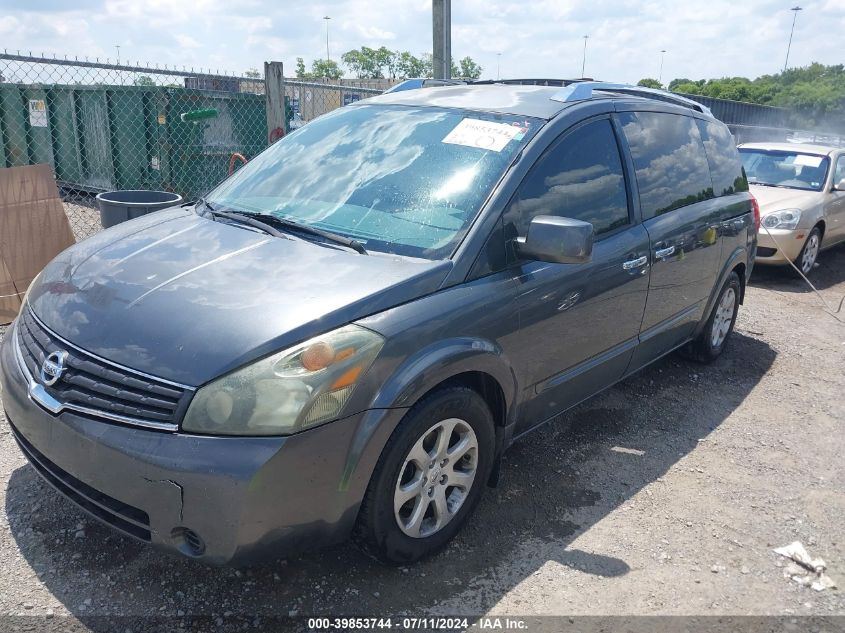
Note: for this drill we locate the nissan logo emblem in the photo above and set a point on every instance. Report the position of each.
(53, 368)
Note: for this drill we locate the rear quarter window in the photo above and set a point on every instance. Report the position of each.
(669, 160)
(723, 158)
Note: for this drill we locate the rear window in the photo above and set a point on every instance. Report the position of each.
(725, 167)
(669, 160)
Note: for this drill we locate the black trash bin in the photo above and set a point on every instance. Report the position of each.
(119, 206)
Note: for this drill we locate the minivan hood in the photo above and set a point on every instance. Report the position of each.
(777, 198)
(186, 298)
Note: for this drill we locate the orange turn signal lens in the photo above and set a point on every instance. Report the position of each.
(348, 378)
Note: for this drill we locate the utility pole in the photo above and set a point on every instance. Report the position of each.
(441, 57)
(660, 76)
(584, 60)
(328, 57)
(795, 11)
(117, 46)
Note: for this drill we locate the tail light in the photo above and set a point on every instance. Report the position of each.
(755, 206)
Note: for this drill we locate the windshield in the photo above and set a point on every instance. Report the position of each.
(398, 180)
(794, 170)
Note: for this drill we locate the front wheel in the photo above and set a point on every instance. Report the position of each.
(810, 253)
(429, 478)
(708, 345)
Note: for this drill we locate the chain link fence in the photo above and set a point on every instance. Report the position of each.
(105, 127)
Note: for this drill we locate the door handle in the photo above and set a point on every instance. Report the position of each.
(635, 263)
(664, 252)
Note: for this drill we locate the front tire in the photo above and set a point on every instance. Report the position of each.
(710, 343)
(806, 260)
(429, 477)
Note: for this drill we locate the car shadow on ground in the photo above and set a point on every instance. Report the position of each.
(557, 483)
(829, 271)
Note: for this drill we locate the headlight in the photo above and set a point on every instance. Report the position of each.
(289, 391)
(786, 219)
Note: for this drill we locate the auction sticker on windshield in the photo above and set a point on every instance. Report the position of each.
(807, 160)
(482, 134)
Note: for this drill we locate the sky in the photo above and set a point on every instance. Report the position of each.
(536, 38)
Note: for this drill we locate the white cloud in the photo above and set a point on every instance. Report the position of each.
(542, 38)
(186, 41)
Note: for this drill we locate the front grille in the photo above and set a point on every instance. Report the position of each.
(109, 510)
(99, 388)
(765, 251)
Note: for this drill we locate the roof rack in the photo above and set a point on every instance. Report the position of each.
(582, 90)
(530, 82)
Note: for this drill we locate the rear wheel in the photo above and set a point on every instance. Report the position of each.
(810, 253)
(429, 478)
(720, 324)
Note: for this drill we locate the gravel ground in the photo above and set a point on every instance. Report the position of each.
(664, 495)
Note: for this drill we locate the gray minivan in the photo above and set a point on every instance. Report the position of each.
(343, 337)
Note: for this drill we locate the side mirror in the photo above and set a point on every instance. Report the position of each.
(839, 186)
(557, 240)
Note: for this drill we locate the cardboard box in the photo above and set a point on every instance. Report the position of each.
(33, 230)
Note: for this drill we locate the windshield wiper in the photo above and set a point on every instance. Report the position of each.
(246, 217)
(355, 245)
(243, 218)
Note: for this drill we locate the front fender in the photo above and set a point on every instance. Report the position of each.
(440, 361)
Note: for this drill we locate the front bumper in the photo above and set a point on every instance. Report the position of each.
(780, 246)
(239, 498)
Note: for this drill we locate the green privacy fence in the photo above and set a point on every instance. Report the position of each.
(107, 126)
(129, 137)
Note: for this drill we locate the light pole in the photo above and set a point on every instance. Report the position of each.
(584, 59)
(328, 57)
(117, 46)
(498, 64)
(660, 76)
(795, 11)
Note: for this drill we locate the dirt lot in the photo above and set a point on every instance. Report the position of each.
(665, 495)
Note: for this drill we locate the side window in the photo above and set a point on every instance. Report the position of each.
(580, 177)
(669, 159)
(839, 174)
(722, 157)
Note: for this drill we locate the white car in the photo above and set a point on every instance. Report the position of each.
(801, 192)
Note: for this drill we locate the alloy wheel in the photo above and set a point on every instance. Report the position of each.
(723, 318)
(436, 478)
(811, 252)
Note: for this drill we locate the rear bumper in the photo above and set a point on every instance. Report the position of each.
(244, 497)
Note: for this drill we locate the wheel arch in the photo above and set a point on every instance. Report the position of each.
(736, 262)
(475, 363)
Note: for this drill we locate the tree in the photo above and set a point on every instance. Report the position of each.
(144, 80)
(301, 73)
(408, 65)
(815, 93)
(650, 83)
(325, 69)
(428, 65)
(252, 73)
(366, 62)
(385, 60)
(469, 69)
(676, 82)
(454, 71)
